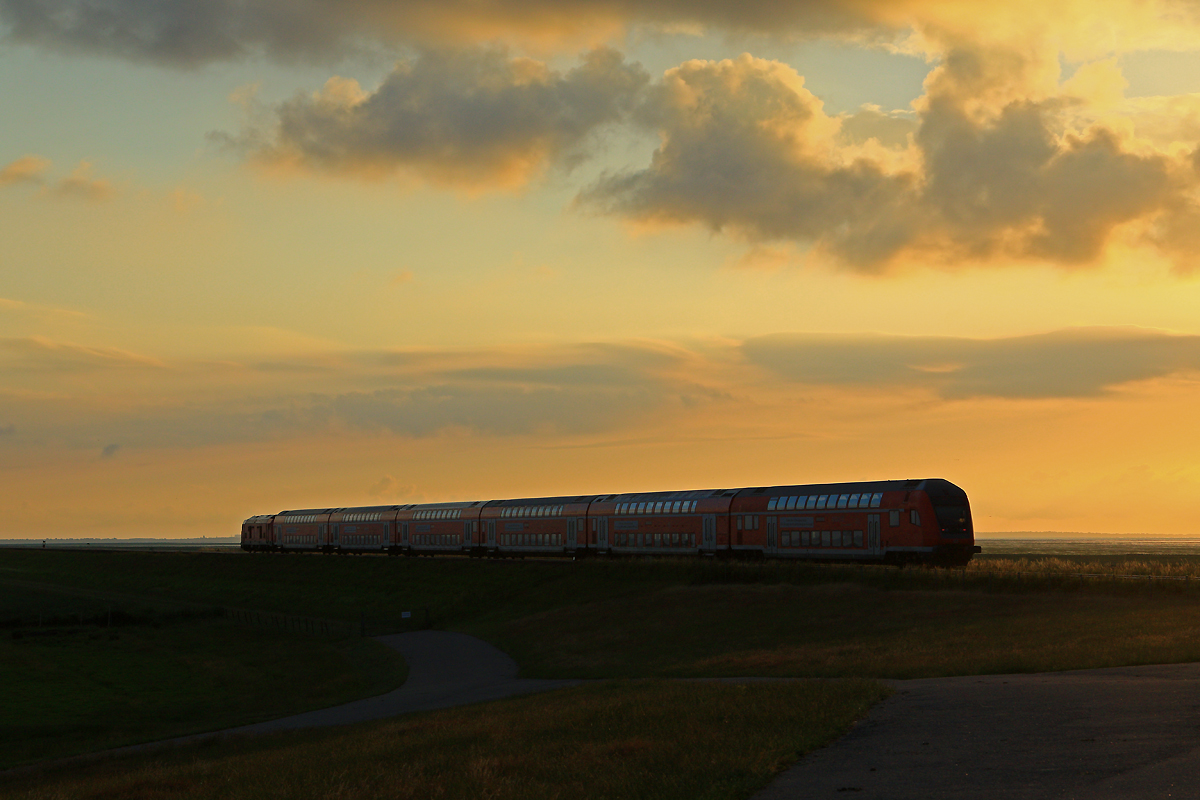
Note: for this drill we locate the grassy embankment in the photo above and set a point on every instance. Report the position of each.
(684, 618)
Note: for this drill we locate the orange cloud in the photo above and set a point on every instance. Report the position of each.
(27, 169)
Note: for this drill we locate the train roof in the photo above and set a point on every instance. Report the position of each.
(298, 511)
(366, 509)
(549, 501)
(936, 484)
(690, 494)
(426, 506)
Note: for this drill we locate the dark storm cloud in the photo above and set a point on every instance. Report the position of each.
(1085, 362)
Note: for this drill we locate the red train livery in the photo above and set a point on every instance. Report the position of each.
(926, 521)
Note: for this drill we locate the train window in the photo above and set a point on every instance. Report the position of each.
(771, 503)
(785, 539)
(853, 501)
(858, 539)
(804, 538)
(894, 517)
(825, 535)
(842, 500)
(914, 517)
(812, 501)
(822, 500)
(876, 499)
(791, 503)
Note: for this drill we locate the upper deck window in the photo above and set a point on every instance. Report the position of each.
(853, 501)
(842, 498)
(876, 499)
(822, 500)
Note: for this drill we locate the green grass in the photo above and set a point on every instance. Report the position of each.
(644, 739)
(67, 688)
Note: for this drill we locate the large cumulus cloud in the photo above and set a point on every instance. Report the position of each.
(474, 117)
(1002, 161)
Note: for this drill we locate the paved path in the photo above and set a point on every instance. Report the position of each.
(444, 670)
(1129, 732)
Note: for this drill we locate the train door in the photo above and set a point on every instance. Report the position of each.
(602, 536)
(571, 523)
(710, 531)
(404, 533)
(321, 535)
(491, 533)
(466, 534)
(873, 534)
(771, 534)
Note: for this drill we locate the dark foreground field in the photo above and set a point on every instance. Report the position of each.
(633, 619)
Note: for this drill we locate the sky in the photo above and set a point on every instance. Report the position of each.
(258, 255)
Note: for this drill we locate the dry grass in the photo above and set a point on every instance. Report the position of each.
(844, 629)
(1107, 568)
(644, 739)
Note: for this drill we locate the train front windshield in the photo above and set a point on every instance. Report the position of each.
(950, 505)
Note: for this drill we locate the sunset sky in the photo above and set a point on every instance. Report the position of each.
(268, 254)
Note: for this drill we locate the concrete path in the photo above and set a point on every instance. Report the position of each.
(1130, 732)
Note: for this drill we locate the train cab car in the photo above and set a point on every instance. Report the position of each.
(891, 521)
(537, 525)
(367, 529)
(258, 534)
(431, 528)
(302, 529)
(950, 531)
(662, 523)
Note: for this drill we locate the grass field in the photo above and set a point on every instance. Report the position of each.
(79, 674)
(625, 619)
(617, 740)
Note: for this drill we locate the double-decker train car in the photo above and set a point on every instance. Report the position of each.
(911, 521)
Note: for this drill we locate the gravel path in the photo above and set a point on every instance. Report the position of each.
(1129, 732)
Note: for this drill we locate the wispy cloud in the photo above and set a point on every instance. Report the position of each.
(27, 169)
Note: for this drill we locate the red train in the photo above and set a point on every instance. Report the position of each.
(926, 521)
